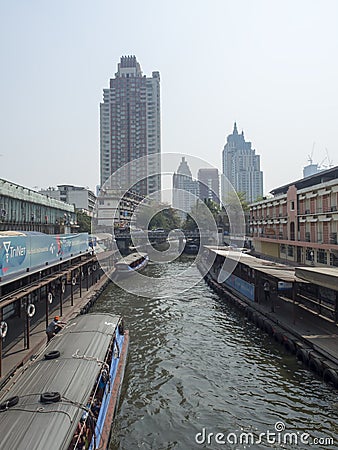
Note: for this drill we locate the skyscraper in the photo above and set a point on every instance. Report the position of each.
(241, 166)
(130, 128)
(185, 189)
(208, 184)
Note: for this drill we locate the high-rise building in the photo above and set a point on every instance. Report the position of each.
(241, 166)
(130, 128)
(208, 180)
(185, 189)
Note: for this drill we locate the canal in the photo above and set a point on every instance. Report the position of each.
(200, 375)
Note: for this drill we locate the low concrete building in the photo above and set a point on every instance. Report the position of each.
(82, 198)
(27, 210)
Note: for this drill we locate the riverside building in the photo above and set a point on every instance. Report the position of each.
(241, 166)
(130, 128)
(299, 223)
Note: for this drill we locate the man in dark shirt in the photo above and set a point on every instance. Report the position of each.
(54, 327)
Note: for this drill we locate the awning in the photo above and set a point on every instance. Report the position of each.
(322, 276)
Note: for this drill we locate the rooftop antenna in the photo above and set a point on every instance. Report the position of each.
(310, 156)
(329, 161)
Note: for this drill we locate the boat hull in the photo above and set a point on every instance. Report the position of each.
(115, 395)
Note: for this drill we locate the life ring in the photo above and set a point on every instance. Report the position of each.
(3, 329)
(12, 401)
(73, 281)
(50, 397)
(50, 297)
(94, 267)
(30, 310)
(331, 376)
(52, 355)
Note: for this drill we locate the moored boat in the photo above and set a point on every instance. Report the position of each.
(131, 263)
(67, 397)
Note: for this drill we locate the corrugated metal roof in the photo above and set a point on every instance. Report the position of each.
(280, 271)
(30, 424)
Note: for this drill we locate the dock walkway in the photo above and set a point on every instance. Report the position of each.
(19, 355)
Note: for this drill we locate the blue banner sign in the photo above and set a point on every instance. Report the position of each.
(28, 252)
(241, 286)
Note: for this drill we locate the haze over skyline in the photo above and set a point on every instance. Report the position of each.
(269, 66)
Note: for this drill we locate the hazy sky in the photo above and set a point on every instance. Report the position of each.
(272, 66)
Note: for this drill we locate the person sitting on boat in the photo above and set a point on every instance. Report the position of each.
(54, 327)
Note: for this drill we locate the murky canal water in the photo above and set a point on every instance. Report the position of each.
(196, 366)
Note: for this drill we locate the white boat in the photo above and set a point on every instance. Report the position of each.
(131, 263)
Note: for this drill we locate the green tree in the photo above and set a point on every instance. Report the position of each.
(166, 218)
(84, 221)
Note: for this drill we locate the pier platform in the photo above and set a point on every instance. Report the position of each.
(311, 335)
(19, 355)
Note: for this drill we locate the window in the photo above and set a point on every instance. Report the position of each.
(321, 256)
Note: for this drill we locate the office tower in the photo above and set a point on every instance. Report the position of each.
(241, 166)
(130, 128)
(208, 180)
(185, 189)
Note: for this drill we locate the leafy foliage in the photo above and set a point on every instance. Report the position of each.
(84, 221)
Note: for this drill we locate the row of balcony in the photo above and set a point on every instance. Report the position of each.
(318, 210)
(321, 239)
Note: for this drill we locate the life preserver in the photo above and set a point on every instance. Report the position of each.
(30, 310)
(12, 401)
(73, 281)
(50, 397)
(50, 297)
(3, 329)
(94, 267)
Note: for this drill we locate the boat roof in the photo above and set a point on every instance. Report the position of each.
(131, 258)
(323, 276)
(83, 345)
(276, 270)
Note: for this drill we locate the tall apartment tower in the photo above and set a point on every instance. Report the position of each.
(185, 189)
(241, 166)
(130, 128)
(208, 180)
